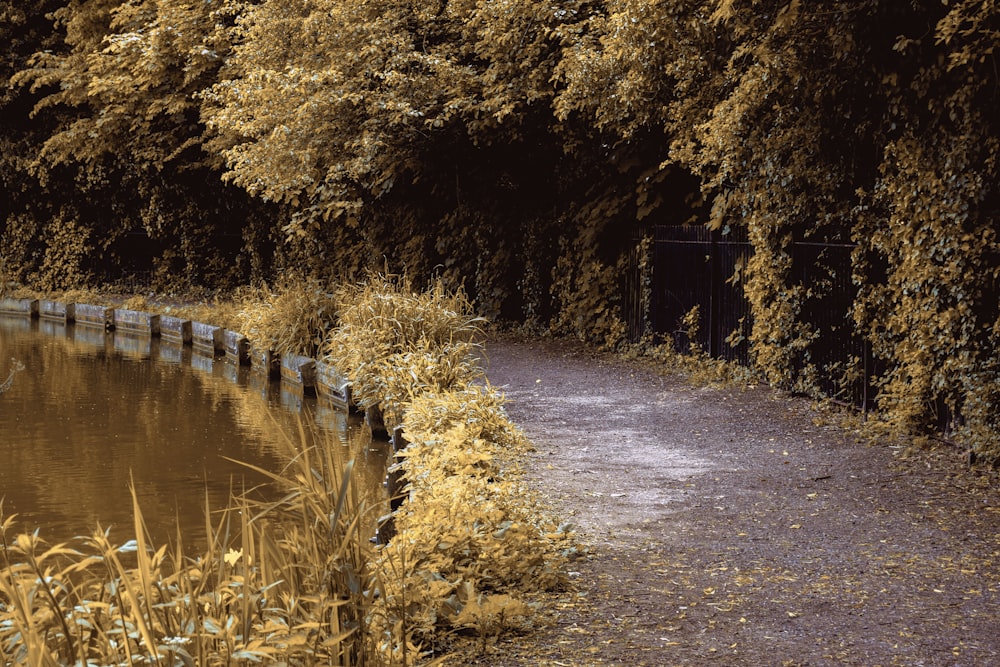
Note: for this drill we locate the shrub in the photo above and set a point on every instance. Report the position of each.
(471, 543)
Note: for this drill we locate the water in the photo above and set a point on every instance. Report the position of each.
(92, 413)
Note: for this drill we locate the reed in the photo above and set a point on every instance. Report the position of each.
(283, 582)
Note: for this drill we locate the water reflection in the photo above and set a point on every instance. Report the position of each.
(89, 412)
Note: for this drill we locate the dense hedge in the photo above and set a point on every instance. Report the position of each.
(518, 148)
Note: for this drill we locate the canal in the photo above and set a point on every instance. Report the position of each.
(92, 413)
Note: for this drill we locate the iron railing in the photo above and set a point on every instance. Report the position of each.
(693, 266)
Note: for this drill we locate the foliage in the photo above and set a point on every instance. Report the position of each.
(279, 582)
(349, 96)
(768, 158)
(138, 62)
(297, 580)
(584, 285)
(470, 542)
(520, 150)
(293, 318)
(934, 316)
(118, 154)
(5, 279)
(745, 92)
(67, 248)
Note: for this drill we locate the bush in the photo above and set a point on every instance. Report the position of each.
(471, 544)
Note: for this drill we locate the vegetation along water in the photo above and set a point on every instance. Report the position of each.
(296, 577)
(98, 411)
(530, 155)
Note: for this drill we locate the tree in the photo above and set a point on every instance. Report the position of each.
(24, 201)
(930, 304)
(123, 94)
(421, 135)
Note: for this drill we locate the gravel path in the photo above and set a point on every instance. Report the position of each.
(743, 527)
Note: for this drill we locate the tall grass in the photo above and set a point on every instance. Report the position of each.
(293, 318)
(279, 582)
(395, 343)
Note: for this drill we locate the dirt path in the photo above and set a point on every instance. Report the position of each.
(733, 527)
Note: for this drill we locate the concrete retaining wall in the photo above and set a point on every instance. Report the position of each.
(332, 385)
(298, 370)
(207, 339)
(93, 316)
(28, 307)
(265, 362)
(134, 331)
(237, 347)
(56, 310)
(175, 330)
(136, 321)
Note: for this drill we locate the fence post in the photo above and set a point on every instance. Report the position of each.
(866, 350)
(714, 296)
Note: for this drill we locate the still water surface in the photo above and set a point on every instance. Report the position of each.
(92, 411)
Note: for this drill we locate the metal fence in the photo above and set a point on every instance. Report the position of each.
(696, 267)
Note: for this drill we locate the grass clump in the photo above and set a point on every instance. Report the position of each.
(395, 343)
(293, 318)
